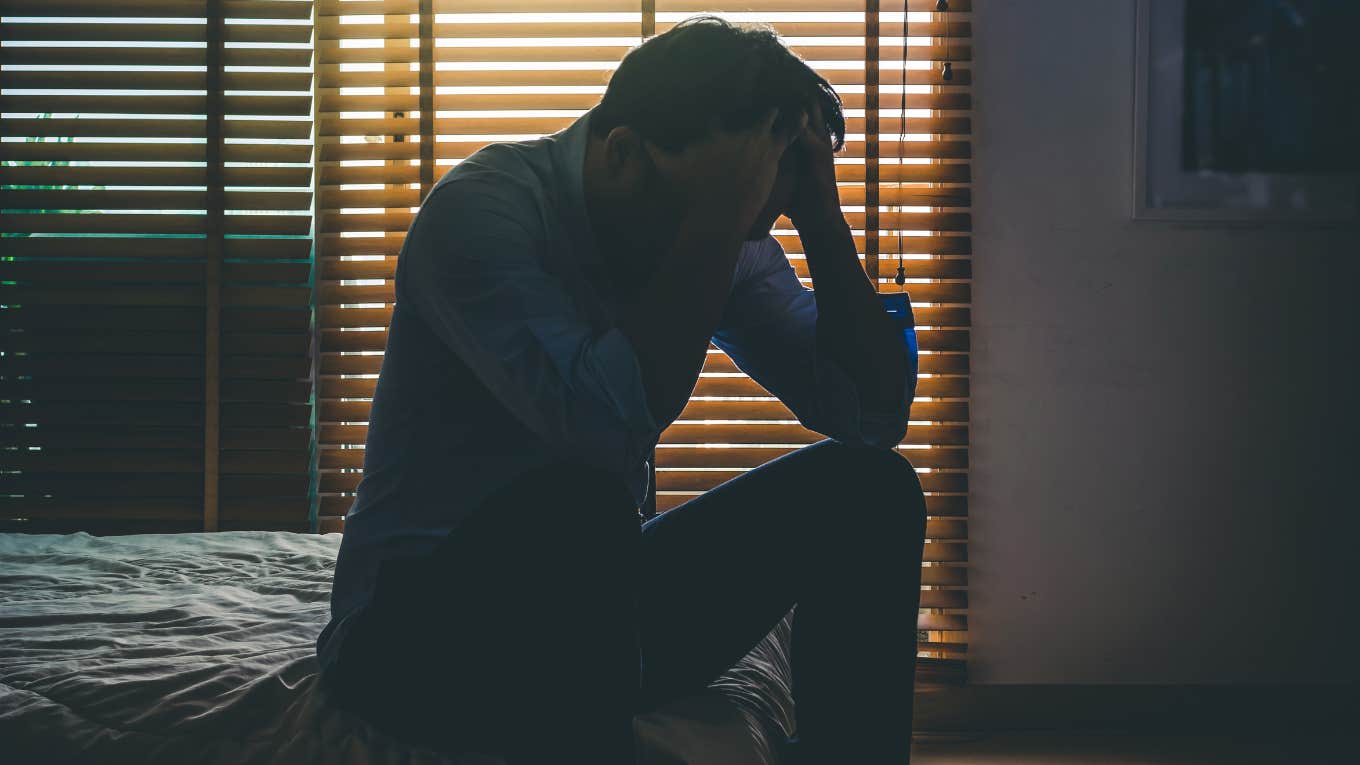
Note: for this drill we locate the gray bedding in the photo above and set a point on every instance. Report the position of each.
(198, 648)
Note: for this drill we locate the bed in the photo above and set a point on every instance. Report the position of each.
(182, 648)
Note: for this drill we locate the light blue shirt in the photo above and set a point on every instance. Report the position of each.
(503, 355)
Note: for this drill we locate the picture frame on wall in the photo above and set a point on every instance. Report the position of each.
(1246, 111)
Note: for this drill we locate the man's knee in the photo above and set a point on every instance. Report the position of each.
(887, 467)
(860, 510)
(885, 479)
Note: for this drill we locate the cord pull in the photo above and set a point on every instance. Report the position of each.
(947, 73)
(901, 277)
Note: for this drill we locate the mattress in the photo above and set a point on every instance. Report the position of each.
(198, 648)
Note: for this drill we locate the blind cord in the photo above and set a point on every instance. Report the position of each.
(901, 278)
(947, 73)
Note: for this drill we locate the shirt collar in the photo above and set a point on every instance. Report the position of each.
(569, 160)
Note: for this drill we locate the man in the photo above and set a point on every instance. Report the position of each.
(555, 299)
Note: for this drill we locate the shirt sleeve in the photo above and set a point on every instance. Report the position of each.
(770, 330)
(473, 268)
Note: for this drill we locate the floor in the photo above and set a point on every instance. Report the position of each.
(1120, 749)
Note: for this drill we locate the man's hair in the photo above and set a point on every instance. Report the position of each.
(673, 87)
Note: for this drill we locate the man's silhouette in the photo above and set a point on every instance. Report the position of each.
(495, 590)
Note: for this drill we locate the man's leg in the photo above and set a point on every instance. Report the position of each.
(517, 636)
(837, 530)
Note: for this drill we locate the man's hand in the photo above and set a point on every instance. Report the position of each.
(816, 202)
(723, 182)
(729, 174)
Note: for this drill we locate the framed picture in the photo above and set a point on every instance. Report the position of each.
(1246, 110)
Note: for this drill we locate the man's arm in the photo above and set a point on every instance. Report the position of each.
(771, 331)
(833, 355)
(852, 327)
(671, 318)
(724, 181)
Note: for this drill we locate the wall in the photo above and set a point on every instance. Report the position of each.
(1163, 414)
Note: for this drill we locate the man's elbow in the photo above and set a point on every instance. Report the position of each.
(886, 427)
(882, 436)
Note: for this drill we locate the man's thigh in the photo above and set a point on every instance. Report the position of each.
(529, 603)
(720, 570)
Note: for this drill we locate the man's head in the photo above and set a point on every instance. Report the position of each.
(675, 87)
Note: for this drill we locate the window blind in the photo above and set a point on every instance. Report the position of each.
(409, 87)
(155, 298)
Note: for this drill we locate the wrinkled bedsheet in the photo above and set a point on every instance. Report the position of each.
(198, 648)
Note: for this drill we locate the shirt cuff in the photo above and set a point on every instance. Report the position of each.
(844, 418)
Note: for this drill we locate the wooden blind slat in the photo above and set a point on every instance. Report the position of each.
(79, 54)
(83, 80)
(161, 9)
(60, 127)
(151, 32)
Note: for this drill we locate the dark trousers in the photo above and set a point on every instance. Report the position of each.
(545, 622)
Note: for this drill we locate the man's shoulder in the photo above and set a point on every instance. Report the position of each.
(499, 184)
(496, 199)
(519, 171)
